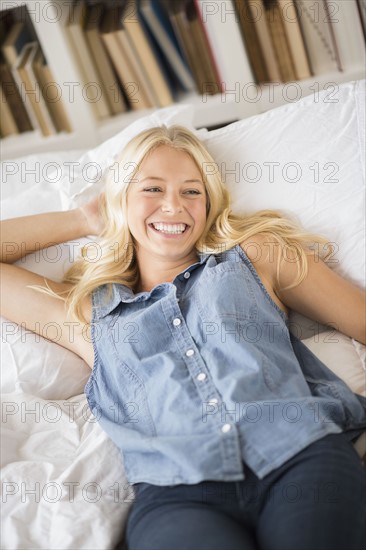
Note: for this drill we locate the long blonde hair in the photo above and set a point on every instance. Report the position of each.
(116, 258)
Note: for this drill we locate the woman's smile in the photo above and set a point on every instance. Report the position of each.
(171, 230)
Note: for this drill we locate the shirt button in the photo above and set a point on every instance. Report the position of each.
(201, 376)
(189, 352)
(187, 275)
(176, 322)
(226, 428)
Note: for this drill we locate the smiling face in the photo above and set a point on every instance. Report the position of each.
(166, 207)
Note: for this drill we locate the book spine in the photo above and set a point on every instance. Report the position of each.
(163, 33)
(25, 99)
(145, 95)
(208, 50)
(258, 18)
(11, 95)
(7, 122)
(348, 33)
(155, 77)
(114, 99)
(280, 43)
(251, 41)
(180, 26)
(295, 39)
(316, 32)
(55, 104)
(84, 60)
(228, 47)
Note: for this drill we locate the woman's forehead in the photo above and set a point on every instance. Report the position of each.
(166, 158)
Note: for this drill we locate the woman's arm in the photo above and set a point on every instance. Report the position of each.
(36, 311)
(326, 297)
(21, 236)
(323, 295)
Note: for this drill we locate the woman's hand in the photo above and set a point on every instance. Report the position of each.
(93, 218)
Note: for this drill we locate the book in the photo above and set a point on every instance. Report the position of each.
(127, 66)
(202, 45)
(10, 94)
(345, 21)
(108, 77)
(158, 22)
(177, 15)
(17, 38)
(230, 52)
(92, 84)
(295, 39)
(361, 6)
(8, 125)
(193, 42)
(316, 30)
(279, 41)
(7, 20)
(22, 90)
(31, 88)
(48, 88)
(259, 19)
(144, 50)
(251, 41)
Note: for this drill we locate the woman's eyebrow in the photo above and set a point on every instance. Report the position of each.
(156, 178)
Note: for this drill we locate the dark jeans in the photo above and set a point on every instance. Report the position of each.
(315, 501)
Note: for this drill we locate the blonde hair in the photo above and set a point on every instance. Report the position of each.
(223, 228)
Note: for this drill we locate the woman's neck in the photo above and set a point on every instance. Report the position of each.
(150, 277)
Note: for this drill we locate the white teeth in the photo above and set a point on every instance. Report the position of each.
(173, 228)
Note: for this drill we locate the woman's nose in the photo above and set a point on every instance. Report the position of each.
(171, 203)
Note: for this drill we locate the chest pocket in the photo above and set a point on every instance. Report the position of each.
(227, 291)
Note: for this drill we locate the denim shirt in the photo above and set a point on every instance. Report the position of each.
(196, 376)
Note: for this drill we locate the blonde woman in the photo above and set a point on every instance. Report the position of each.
(232, 433)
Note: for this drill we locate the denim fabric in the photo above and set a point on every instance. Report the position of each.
(198, 375)
(314, 501)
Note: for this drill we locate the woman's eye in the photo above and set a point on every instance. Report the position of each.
(188, 192)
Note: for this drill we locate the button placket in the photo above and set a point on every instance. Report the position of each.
(204, 384)
(185, 342)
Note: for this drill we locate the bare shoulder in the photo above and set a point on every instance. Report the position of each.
(42, 313)
(262, 253)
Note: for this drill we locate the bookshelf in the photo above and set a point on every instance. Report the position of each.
(241, 101)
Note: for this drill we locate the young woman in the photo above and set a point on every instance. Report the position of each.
(232, 433)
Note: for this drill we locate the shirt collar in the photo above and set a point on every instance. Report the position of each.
(122, 293)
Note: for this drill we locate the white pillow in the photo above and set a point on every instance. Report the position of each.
(346, 357)
(316, 149)
(34, 184)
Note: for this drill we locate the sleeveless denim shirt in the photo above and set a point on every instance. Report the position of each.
(197, 376)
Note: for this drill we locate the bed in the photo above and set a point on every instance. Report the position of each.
(63, 482)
